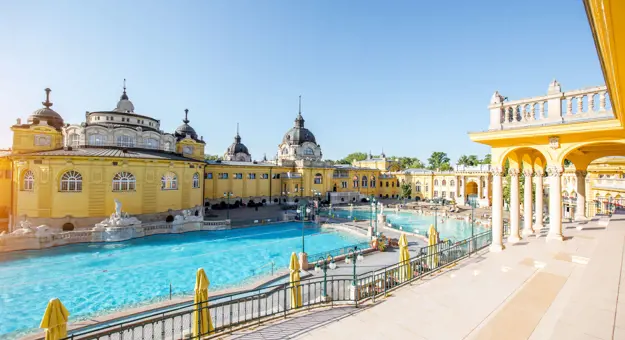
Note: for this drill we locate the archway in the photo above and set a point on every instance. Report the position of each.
(470, 189)
(68, 227)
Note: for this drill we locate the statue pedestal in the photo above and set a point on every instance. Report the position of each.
(303, 261)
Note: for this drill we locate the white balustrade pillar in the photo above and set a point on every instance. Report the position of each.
(515, 235)
(580, 208)
(497, 211)
(538, 176)
(527, 203)
(555, 203)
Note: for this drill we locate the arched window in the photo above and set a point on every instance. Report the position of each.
(364, 181)
(427, 188)
(452, 183)
(71, 181)
(74, 139)
(355, 181)
(28, 183)
(196, 180)
(167, 146)
(285, 151)
(125, 141)
(124, 181)
(373, 181)
(318, 179)
(435, 182)
(169, 181)
(418, 186)
(97, 140)
(393, 184)
(150, 143)
(308, 151)
(444, 182)
(387, 184)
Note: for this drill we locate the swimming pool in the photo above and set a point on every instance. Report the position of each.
(410, 221)
(95, 279)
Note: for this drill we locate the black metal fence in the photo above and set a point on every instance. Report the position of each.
(255, 306)
(339, 251)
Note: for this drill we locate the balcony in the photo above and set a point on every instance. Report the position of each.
(556, 107)
(609, 184)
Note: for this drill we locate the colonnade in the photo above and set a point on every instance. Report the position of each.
(531, 226)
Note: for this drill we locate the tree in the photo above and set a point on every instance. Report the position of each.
(506, 189)
(212, 157)
(439, 160)
(406, 190)
(486, 159)
(470, 160)
(354, 156)
(567, 162)
(409, 163)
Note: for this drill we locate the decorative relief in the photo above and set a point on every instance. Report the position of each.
(554, 142)
(581, 173)
(513, 172)
(539, 173)
(43, 140)
(496, 171)
(528, 172)
(555, 171)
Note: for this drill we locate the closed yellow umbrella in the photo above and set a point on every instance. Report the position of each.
(432, 242)
(202, 323)
(55, 320)
(296, 289)
(404, 258)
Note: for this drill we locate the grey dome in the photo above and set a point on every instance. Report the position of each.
(298, 134)
(185, 130)
(237, 147)
(47, 114)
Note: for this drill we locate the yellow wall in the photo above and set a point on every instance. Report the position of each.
(24, 138)
(5, 193)
(97, 197)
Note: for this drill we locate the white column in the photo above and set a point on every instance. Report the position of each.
(486, 189)
(463, 179)
(555, 203)
(497, 212)
(479, 188)
(538, 225)
(527, 203)
(514, 206)
(580, 209)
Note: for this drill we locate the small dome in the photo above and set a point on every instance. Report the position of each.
(124, 104)
(185, 130)
(47, 114)
(237, 147)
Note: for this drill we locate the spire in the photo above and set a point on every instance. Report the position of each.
(47, 103)
(299, 121)
(264, 157)
(369, 156)
(383, 155)
(237, 138)
(124, 95)
(186, 116)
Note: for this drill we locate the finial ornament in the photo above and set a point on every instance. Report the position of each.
(186, 116)
(47, 103)
(124, 85)
(300, 104)
(237, 129)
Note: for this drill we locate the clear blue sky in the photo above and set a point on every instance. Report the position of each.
(411, 77)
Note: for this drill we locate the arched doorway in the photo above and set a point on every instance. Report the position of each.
(68, 227)
(470, 191)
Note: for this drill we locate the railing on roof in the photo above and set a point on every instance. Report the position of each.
(611, 183)
(126, 145)
(555, 107)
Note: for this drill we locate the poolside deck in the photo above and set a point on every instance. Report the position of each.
(532, 290)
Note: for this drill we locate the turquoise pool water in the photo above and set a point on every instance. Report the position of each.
(94, 279)
(452, 229)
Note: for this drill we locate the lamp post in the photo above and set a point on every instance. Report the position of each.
(472, 246)
(302, 210)
(227, 195)
(325, 264)
(353, 256)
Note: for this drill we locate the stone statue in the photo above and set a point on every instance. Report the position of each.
(118, 208)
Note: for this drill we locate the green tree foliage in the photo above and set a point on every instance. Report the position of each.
(506, 189)
(439, 160)
(567, 162)
(470, 160)
(486, 159)
(212, 157)
(406, 190)
(354, 156)
(409, 163)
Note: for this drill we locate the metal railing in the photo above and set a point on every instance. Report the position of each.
(339, 251)
(252, 307)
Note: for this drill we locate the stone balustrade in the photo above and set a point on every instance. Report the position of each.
(610, 183)
(556, 107)
(473, 168)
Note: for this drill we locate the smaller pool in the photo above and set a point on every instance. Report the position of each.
(410, 221)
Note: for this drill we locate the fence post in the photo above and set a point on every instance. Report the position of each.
(285, 290)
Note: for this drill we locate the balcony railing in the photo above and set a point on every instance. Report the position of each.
(115, 145)
(610, 183)
(555, 107)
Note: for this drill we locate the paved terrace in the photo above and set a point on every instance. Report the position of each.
(532, 290)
